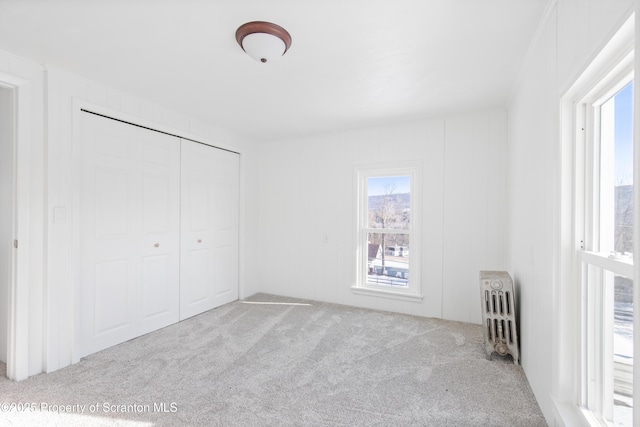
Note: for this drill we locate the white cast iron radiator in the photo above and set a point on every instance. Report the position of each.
(499, 314)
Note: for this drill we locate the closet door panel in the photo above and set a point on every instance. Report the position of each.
(197, 274)
(160, 230)
(225, 235)
(107, 219)
(209, 232)
(156, 284)
(113, 280)
(128, 232)
(112, 203)
(224, 277)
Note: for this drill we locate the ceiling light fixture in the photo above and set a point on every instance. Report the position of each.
(263, 41)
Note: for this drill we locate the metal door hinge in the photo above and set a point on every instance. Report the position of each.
(15, 243)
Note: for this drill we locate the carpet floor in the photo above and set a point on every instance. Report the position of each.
(274, 361)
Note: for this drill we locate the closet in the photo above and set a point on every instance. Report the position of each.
(158, 221)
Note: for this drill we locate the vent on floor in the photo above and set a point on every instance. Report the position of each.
(499, 315)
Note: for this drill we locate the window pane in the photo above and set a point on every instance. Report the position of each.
(609, 351)
(388, 262)
(389, 200)
(623, 351)
(623, 152)
(616, 174)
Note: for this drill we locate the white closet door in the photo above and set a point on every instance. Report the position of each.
(129, 232)
(209, 228)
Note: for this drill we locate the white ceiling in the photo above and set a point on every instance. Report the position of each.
(352, 63)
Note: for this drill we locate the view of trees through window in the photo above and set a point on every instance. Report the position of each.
(388, 224)
(617, 164)
(623, 160)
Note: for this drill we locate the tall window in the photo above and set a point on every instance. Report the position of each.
(388, 224)
(606, 262)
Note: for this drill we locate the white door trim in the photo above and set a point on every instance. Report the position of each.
(18, 316)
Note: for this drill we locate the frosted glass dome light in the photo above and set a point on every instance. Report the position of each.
(263, 47)
(263, 41)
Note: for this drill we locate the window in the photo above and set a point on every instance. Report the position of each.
(605, 190)
(388, 223)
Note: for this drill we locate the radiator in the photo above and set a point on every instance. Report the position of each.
(499, 314)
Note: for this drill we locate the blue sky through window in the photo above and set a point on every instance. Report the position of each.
(380, 185)
(624, 136)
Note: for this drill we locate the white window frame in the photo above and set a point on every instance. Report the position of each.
(583, 304)
(412, 169)
(596, 268)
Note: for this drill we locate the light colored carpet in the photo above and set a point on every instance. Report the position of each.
(283, 362)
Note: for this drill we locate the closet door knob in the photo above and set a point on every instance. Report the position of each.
(157, 245)
(199, 240)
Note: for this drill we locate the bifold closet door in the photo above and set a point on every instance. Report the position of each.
(129, 223)
(209, 228)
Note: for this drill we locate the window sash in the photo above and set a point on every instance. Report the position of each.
(612, 63)
(600, 366)
(362, 173)
(596, 269)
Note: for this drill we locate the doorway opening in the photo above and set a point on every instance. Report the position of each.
(7, 208)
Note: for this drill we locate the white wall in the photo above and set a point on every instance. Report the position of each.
(307, 192)
(65, 94)
(6, 212)
(571, 34)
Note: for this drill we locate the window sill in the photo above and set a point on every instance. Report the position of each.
(384, 293)
(568, 414)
